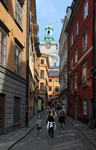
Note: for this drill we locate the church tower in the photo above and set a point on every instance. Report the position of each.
(49, 46)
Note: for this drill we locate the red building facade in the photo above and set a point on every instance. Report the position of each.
(80, 60)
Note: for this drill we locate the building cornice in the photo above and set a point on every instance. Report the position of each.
(73, 14)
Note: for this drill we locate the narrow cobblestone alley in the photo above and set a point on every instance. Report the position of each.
(68, 139)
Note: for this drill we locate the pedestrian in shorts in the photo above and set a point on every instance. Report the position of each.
(39, 126)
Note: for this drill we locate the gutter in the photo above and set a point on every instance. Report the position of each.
(27, 62)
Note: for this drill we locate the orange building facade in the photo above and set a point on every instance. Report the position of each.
(43, 82)
(53, 85)
(13, 26)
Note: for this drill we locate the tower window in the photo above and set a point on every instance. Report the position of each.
(48, 32)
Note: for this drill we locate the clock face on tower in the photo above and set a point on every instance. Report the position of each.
(48, 45)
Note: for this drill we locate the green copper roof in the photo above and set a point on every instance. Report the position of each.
(48, 35)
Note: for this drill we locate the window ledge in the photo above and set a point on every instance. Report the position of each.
(18, 25)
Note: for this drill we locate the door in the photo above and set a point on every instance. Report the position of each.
(2, 113)
(16, 111)
(76, 108)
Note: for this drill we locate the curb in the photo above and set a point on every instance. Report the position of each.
(10, 147)
(21, 138)
(83, 134)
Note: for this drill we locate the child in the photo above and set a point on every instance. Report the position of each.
(39, 126)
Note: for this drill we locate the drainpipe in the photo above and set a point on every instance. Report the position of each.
(27, 62)
(94, 57)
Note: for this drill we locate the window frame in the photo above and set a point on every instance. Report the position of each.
(76, 29)
(72, 40)
(56, 87)
(19, 67)
(50, 79)
(50, 88)
(42, 75)
(84, 81)
(18, 13)
(57, 80)
(86, 9)
(42, 87)
(2, 32)
(75, 58)
(75, 81)
(43, 61)
(85, 35)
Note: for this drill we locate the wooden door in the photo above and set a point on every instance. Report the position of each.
(2, 112)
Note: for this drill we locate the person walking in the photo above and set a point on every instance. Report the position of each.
(51, 122)
(61, 118)
(39, 126)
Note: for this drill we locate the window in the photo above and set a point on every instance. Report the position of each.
(48, 31)
(84, 107)
(16, 116)
(76, 57)
(18, 12)
(72, 39)
(42, 74)
(71, 63)
(50, 88)
(71, 85)
(3, 48)
(50, 80)
(57, 80)
(42, 61)
(54, 63)
(84, 41)
(75, 81)
(76, 30)
(84, 73)
(5, 2)
(41, 86)
(56, 88)
(86, 10)
(18, 61)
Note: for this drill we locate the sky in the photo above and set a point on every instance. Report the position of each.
(51, 11)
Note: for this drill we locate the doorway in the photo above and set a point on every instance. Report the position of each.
(2, 113)
(76, 107)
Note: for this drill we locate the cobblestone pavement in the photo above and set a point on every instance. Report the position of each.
(64, 139)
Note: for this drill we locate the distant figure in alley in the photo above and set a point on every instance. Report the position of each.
(39, 126)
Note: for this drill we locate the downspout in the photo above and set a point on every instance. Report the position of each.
(27, 62)
(94, 53)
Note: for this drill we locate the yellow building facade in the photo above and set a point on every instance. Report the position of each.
(53, 85)
(43, 81)
(13, 31)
